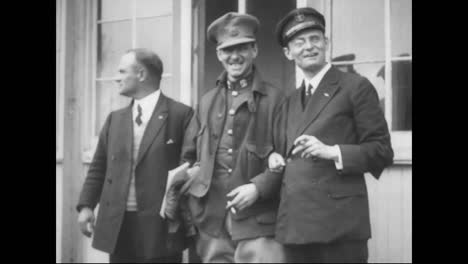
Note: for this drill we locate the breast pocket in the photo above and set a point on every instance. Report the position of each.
(257, 158)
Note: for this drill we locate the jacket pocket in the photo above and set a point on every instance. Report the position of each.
(256, 152)
(257, 158)
(266, 218)
(338, 192)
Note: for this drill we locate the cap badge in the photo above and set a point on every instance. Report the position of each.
(300, 17)
(234, 32)
(243, 83)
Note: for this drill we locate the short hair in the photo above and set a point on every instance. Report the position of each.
(149, 60)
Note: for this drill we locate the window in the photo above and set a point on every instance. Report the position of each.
(121, 25)
(373, 39)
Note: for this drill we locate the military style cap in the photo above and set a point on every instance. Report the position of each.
(232, 29)
(296, 21)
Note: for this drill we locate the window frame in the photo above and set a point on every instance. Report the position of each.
(60, 80)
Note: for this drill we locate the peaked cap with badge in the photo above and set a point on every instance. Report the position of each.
(296, 21)
(233, 29)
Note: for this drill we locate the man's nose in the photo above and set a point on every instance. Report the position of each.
(309, 44)
(235, 54)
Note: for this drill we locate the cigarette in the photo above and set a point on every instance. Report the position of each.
(232, 208)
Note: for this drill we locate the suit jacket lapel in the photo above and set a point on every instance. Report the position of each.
(324, 93)
(126, 130)
(295, 113)
(156, 122)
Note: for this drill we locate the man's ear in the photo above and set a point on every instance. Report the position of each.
(142, 74)
(255, 50)
(218, 54)
(287, 53)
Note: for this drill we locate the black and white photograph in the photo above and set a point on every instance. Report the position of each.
(234, 131)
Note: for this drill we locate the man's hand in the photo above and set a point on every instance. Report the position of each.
(244, 196)
(312, 147)
(276, 162)
(86, 220)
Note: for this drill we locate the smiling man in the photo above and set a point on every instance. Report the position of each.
(334, 132)
(234, 198)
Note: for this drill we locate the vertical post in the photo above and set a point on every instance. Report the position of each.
(242, 6)
(328, 13)
(299, 73)
(185, 51)
(134, 26)
(388, 66)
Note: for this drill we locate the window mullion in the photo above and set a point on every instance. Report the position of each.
(328, 29)
(134, 26)
(388, 66)
(242, 6)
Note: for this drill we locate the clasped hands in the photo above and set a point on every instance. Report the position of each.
(310, 146)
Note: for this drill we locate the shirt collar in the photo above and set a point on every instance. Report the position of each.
(147, 103)
(315, 81)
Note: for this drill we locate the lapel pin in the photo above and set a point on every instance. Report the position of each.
(170, 141)
(160, 116)
(326, 94)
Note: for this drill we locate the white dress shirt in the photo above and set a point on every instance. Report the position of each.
(315, 82)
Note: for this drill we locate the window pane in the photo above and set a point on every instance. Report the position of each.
(114, 39)
(372, 71)
(153, 7)
(115, 9)
(358, 28)
(401, 27)
(166, 88)
(402, 95)
(107, 99)
(156, 35)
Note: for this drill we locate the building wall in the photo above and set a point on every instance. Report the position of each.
(390, 203)
(58, 212)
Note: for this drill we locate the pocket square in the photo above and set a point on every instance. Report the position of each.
(170, 141)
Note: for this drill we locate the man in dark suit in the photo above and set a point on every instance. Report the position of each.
(233, 197)
(127, 176)
(334, 132)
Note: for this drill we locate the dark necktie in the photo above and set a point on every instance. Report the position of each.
(138, 118)
(309, 90)
(307, 94)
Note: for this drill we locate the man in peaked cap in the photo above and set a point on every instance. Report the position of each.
(234, 198)
(334, 132)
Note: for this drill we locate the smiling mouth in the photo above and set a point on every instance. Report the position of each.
(313, 55)
(236, 65)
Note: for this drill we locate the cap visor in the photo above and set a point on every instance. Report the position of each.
(234, 42)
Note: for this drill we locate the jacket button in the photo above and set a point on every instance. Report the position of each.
(230, 151)
(113, 157)
(229, 132)
(232, 112)
(220, 115)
